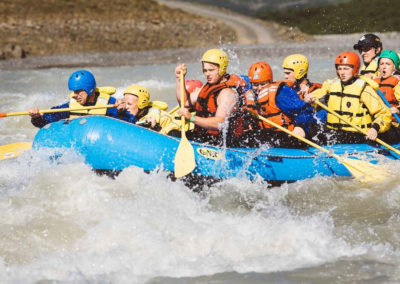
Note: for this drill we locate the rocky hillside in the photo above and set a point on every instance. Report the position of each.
(47, 27)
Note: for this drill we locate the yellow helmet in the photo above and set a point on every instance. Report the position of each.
(216, 56)
(141, 92)
(298, 63)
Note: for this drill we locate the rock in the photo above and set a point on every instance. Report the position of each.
(12, 51)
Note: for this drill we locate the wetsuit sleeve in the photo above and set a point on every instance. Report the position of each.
(289, 102)
(51, 117)
(381, 114)
(112, 112)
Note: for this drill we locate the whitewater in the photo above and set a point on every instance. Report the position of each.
(61, 222)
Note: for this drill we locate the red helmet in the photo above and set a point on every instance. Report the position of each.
(191, 85)
(260, 72)
(349, 58)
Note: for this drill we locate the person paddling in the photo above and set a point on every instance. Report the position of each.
(279, 103)
(352, 98)
(84, 93)
(295, 69)
(215, 104)
(369, 46)
(389, 86)
(136, 107)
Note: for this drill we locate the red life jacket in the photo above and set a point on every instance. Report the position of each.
(207, 105)
(265, 104)
(386, 86)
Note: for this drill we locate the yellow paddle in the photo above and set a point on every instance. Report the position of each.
(363, 171)
(55, 110)
(359, 129)
(184, 157)
(14, 150)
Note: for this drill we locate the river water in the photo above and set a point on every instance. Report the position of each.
(62, 222)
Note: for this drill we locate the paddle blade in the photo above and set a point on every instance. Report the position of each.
(184, 158)
(365, 171)
(14, 150)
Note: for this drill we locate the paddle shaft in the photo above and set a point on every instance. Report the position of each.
(388, 105)
(354, 166)
(183, 92)
(359, 129)
(55, 110)
(305, 140)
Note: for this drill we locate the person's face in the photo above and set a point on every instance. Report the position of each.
(210, 71)
(367, 54)
(386, 67)
(257, 87)
(131, 102)
(289, 75)
(80, 96)
(344, 72)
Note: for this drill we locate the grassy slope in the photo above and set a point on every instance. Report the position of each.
(355, 16)
(62, 26)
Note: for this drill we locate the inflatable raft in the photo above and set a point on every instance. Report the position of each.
(111, 144)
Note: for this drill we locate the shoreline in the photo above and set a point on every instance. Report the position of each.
(322, 46)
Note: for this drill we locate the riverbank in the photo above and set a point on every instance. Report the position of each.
(48, 28)
(321, 46)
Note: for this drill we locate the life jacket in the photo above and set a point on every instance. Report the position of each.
(265, 104)
(345, 100)
(207, 104)
(102, 94)
(386, 86)
(372, 67)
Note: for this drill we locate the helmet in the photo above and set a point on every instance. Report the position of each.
(298, 63)
(216, 56)
(349, 58)
(392, 55)
(260, 72)
(368, 40)
(141, 92)
(191, 85)
(82, 80)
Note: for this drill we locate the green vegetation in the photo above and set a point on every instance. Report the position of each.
(351, 17)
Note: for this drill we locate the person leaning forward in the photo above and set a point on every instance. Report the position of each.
(137, 107)
(279, 103)
(352, 98)
(84, 93)
(215, 104)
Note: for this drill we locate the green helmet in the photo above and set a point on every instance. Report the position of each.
(392, 55)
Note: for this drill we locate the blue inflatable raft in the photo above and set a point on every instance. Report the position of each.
(111, 144)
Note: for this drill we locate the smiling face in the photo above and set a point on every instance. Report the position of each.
(80, 96)
(344, 72)
(210, 71)
(289, 75)
(386, 67)
(367, 54)
(131, 102)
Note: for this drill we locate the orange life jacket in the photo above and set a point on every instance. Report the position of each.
(311, 87)
(207, 105)
(265, 104)
(386, 86)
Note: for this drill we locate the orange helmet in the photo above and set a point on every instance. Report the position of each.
(349, 58)
(191, 85)
(260, 72)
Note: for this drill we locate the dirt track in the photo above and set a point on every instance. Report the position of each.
(248, 30)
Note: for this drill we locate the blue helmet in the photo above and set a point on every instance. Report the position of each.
(82, 80)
